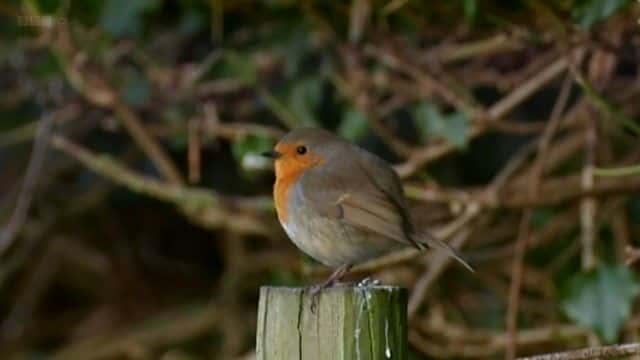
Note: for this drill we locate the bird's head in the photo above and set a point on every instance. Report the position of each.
(302, 149)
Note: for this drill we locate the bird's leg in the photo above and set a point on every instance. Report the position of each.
(335, 277)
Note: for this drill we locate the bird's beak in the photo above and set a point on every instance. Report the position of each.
(271, 154)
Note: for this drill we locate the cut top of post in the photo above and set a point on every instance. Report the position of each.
(348, 322)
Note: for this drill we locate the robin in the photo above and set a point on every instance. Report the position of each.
(341, 204)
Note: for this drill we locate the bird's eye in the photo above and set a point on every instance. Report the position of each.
(301, 150)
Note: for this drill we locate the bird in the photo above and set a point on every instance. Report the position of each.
(341, 204)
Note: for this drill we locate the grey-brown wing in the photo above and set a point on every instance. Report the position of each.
(348, 192)
(388, 182)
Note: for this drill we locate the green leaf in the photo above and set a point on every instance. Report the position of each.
(124, 17)
(293, 46)
(540, 217)
(47, 67)
(136, 90)
(304, 99)
(240, 66)
(354, 124)
(457, 129)
(634, 209)
(433, 124)
(470, 8)
(87, 12)
(588, 12)
(426, 116)
(191, 22)
(48, 6)
(601, 299)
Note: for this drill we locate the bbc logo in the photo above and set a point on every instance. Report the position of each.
(40, 20)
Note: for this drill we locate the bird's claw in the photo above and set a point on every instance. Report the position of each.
(314, 291)
(368, 282)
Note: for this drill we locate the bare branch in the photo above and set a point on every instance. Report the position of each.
(36, 163)
(603, 352)
(201, 206)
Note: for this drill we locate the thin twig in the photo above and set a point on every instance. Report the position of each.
(516, 161)
(466, 341)
(524, 91)
(27, 132)
(617, 171)
(561, 189)
(425, 80)
(549, 132)
(588, 204)
(149, 145)
(201, 206)
(632, 255)
(194, 130)
(516, 280)
(168, 328)
(602, 352)
(524, 232)
(494, 113)
(428, 154)
(496, 43)
(98, 91)
(32, 175)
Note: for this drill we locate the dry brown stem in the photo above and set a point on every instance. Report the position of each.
(32, 175)
(604, 352)
(89, 83)
(199, 205)
(170, 328)
(516, 279)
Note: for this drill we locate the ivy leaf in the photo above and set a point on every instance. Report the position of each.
(634, 208)
(457, 129)
(470, 8)
(48, 6)
(432, 123)
(191, 21)
(588, 12)
(240, 66)
(304, 99)
(541, 216)
(124, 17)
(294, 46)
(136, 90)
(601, 299)
(354, 124)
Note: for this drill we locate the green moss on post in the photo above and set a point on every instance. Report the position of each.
(349, 322)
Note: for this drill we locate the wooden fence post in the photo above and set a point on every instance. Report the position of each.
(349, 322)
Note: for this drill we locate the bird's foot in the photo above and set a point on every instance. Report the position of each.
(314, 290)
(368, 282)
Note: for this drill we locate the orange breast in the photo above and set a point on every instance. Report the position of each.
(289, 167)
(281, 195)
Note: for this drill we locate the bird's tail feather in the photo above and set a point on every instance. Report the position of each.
(431, 241)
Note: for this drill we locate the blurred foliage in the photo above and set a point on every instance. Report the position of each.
(588, 12)
(432, 124)
(150, 227)
(601, 299)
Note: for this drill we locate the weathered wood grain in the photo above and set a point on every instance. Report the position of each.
(349, 322)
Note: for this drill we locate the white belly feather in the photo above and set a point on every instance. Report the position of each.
(333, 242)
